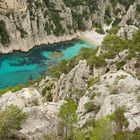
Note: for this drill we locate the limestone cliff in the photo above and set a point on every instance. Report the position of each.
(26, 23)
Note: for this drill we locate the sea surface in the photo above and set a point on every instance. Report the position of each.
(18, 67)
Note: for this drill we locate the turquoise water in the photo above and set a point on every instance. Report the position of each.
(20, 67)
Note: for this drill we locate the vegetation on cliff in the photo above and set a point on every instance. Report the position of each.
(107, 128)
(10, 122)
(4, 37)
(111, 46)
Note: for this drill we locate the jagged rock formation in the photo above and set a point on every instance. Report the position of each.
(127, 32)
(24, 24)
(28, 23)
(112, 91)
(42, 117)
(72, 82)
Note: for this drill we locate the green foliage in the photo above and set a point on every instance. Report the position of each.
(120, 65)
(10, 121)
(48, 27)
(113, 90)
(138, 8)
(108, 19)
(89, 106)
(114, 43)
(113, 30)
(68, 112)
(138, 99)
(119, 119)
(93, 81)
(59, 69)
(92, 95)
(19, 87)
(46, 92)
(126, 3)
(116, 22)
(68, 116)
(100, 30)
(134, 45)
(23, 34)
(92, 4)
(112, 46)
(12, 89)
(4, 37)
(103, 130)
(73, 3)
(78, 19)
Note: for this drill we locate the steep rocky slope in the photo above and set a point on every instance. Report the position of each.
(110, 91)
(99, 81)
(24, 24)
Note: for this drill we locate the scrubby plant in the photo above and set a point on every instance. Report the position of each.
(113, 90)
(68, 116)
(120, 65)
(138, 99)
(89, 106)
(119, 118)
(103, 130)
(12, 89)
(93, 95)
(10, 121)
(93, 81)
(4, 36)
(113, 30)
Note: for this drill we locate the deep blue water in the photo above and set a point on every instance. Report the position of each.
(20, 67)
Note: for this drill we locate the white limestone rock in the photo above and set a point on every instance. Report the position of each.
(75, 79)
(127, 89)
(127, 32)
(25, 97)
(130, 15)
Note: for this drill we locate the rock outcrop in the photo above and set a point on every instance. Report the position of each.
(130, 16)
(114, 89)
(42, 117)
(127, 32)
(25, 24)
(31, 23)
(74, 81)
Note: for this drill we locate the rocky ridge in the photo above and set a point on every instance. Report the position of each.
(25, 24)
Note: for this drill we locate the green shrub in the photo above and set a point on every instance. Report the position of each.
(89, 106)
(138, 99)
(103, 130)
(119, 118)
(93, 81)
(113, 30)
(113, 90)
(10, 121)
(92, 95)
(100, 31)
(12, 89)
(68, 116)
(4, 37)
(120, 65)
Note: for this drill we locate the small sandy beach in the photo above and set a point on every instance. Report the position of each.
(93, 37)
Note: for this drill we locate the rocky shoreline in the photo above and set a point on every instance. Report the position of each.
(27, 44)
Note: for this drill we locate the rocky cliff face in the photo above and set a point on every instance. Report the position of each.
(106, 94)
(26, 23)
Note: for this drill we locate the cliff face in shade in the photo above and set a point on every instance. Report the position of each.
(26, 23)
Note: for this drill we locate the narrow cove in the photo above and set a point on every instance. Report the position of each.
(20, 67)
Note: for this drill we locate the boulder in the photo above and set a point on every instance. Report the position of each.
(127, 32)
